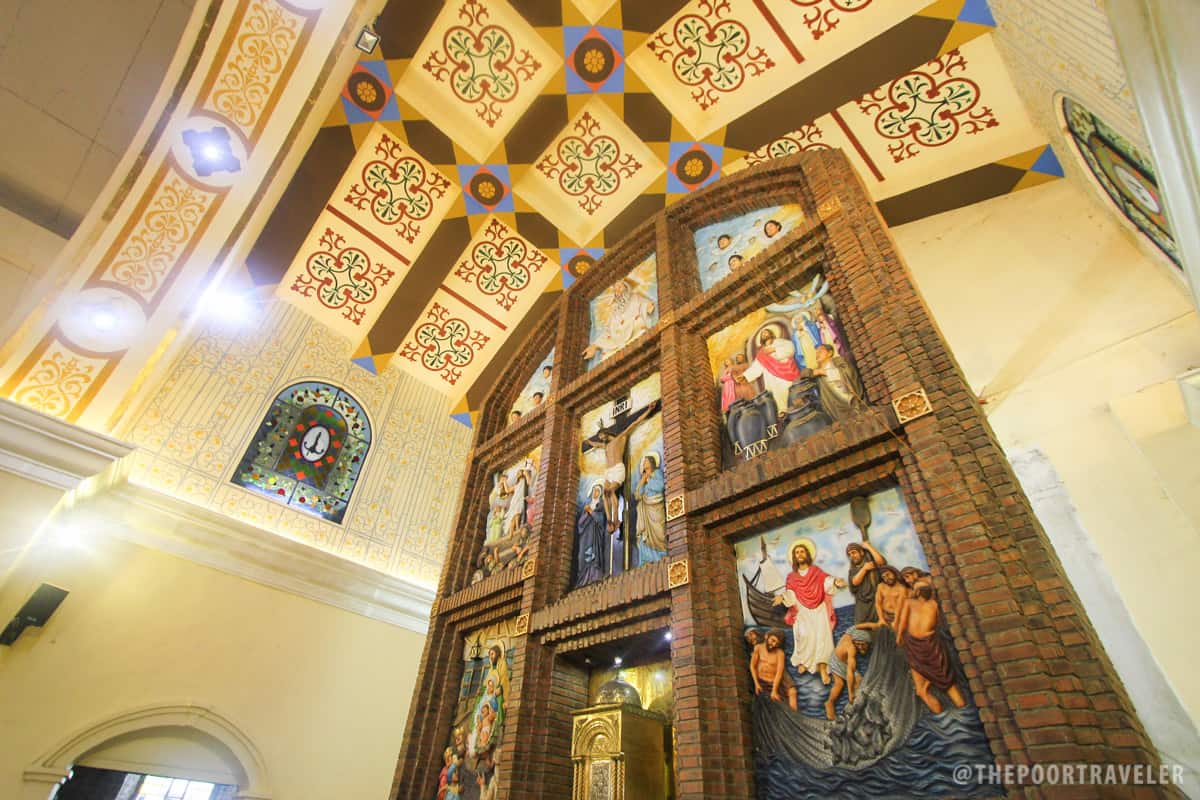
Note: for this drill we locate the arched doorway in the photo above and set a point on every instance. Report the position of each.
(188, 743)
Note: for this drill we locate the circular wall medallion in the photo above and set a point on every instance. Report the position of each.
(594, 60)
(366, 91)
(1124, 172)
(580, 264)
(694, 167)
(486, 189)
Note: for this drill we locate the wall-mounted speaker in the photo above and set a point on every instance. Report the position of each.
(36, 611)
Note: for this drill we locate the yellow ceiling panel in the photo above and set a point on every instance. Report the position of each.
(596, 165)
(942, 118)
(717, 59)
(477, 71)
(945, 117)
(490, 288)
(379, 217)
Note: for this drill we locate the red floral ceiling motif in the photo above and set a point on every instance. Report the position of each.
(397, 189)
(342, 277)
(709, 53)
(480, 62)
(588, 164)
(927, 107)
(443, 344)
(502, 265)
(807, 137)
(824, 16)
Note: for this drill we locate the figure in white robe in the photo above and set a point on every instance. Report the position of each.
(515, 515)
(808, 595)
(775, 363)
(630, 314)
(498, 502)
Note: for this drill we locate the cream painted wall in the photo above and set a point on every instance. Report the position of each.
(1074, 337)
(23, 506)
(322, 693)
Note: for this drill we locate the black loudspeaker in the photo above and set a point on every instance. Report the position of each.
(36, 611)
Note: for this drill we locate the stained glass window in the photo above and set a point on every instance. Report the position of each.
(309, 450)
(1125, 173)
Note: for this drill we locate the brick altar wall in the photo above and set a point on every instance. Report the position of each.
(1044, 688)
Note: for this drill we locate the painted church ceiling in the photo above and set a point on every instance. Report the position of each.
(489, 151)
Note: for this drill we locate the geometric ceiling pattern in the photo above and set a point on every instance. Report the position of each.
(554, 127)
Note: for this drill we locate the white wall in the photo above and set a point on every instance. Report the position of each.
(1074, 338)
(26, 253)
(322, 693)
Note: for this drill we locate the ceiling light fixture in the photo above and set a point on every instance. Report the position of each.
(103, 319)
(368, 40)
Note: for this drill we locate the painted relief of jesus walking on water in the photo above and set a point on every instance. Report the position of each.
(858, 690)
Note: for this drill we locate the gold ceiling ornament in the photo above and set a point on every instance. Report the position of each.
(676, 507)
(56, 380)
(912, 405)
(529, 568)
(263, 55)
(150, 250)
(521, 625)
(433, 607)
(678, 574)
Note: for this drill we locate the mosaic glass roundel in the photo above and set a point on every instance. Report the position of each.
(308, 451)
(1126, 174)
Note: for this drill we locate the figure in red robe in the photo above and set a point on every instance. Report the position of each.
(775, 363)
(808, 594)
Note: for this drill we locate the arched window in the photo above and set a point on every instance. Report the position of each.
(308, 451)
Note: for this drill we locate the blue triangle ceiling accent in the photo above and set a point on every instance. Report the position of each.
(977, 11)
(367, 363)
(1047, 163)
(465, 419)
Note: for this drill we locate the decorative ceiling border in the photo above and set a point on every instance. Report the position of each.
(212, 152)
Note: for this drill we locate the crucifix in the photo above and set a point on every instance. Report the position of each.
(615, 440)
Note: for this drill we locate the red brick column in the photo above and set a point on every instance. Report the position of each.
(712, 723)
